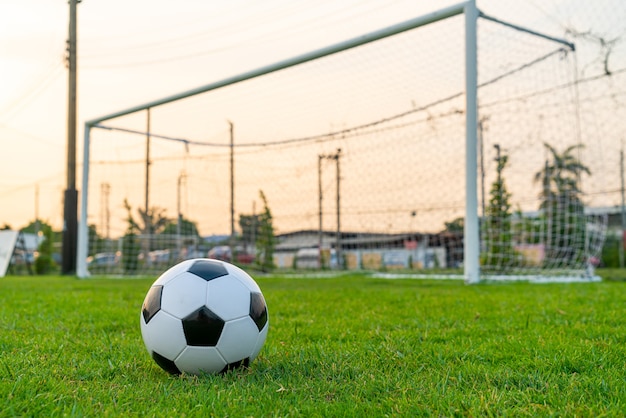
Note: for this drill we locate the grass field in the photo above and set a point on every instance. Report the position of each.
(346, 346)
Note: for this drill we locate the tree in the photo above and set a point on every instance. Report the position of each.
(150, 222)
(250, 226)
(44, 263)
(40, 226)
(497, 225)
(187, 228)
(188, 232)
(96, 242)
(130, 243)
(457, 225)
(265, 240)
(453, 241)
(561, 203)
(187, 240)
(561, 174)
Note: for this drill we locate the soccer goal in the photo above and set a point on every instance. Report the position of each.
(448, 143)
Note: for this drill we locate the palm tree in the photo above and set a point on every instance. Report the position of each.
(561, 173)
(562, 204)
(152, 221)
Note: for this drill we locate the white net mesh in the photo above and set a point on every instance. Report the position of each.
(377, 131)
(534, 160)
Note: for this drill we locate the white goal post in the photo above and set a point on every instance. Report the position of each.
(466, 107)
(472, 273)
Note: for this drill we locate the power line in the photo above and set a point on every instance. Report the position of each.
(300, 26)
(38, 88)
(28, 185)
(29, 135)
(350, 130)
(556, 88)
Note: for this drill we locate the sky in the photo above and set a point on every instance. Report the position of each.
(130, 53)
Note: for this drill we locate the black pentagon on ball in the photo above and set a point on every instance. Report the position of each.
(202, 328)
(152, 303)
(208, 269)
(166, 364)
(258, 310)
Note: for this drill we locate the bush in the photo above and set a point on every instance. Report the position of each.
(610, 252)
(44, 264)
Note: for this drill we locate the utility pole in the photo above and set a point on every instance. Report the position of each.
(335, 157)
(621, 247)
(232, 191)
(37, 223)
(105, 213)
(148, 162)
(254, 226)
(179, 221)
(338, 244)
(547, 206)
(319, 195)
(70, 209)
(481, 144)
(147, 218)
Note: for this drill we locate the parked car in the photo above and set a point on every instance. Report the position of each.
(104, 260)
(221, 252)
(161, 257)
(245, 258)
(224, 253)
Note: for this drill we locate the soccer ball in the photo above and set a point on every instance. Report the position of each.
(204, 316)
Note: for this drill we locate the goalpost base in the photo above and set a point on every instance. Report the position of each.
(492, 279)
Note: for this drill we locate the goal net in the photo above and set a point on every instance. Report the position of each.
(534, 162)
(354, 159)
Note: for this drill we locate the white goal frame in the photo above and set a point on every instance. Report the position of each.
(471, 242)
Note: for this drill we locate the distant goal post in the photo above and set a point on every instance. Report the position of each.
(476, 239)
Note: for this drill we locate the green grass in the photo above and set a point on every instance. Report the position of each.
(349, 346)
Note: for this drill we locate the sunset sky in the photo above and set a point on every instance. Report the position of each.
(133, 52)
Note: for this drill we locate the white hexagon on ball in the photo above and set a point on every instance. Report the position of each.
(238, 339)
(164, 336)
(183, 295)
(244, 277)
(197, 360)
(259, 342)
(228, 298)
(172, 272)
